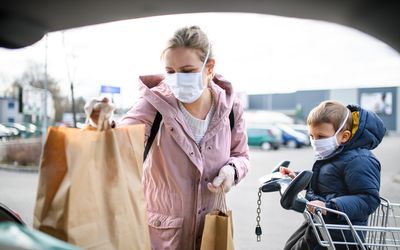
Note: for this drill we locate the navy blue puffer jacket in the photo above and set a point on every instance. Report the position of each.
(349, 179)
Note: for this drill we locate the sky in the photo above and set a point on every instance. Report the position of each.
(257, 53)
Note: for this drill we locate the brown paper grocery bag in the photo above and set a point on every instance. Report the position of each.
(218, 228)
(90, 192)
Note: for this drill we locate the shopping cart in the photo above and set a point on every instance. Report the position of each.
(388, 216)
(382, 231)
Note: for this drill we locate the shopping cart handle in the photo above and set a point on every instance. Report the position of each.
(281, 164)
(299, 204)
(275, 184)
(289, 199)
(275, 180)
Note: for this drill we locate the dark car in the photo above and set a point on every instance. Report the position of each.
(22, 23)
(25, 22)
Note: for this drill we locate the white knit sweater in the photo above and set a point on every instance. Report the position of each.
(197, 126)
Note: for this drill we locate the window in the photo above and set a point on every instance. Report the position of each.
(11, 119)
(11, 105)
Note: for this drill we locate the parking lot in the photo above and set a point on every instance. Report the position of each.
(18, 189)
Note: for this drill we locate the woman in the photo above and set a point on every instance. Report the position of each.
(195, 151)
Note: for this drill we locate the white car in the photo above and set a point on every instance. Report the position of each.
(5, 132)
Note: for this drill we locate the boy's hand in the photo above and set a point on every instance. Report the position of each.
(311, 208)
(287, 171)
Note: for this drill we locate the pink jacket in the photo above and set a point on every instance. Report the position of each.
(177, 170)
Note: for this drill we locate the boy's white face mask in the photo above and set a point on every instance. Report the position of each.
(187, 87)
(324, 147)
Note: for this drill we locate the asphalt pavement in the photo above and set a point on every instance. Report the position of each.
(18, 191)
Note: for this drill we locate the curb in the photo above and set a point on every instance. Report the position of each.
(16, 168)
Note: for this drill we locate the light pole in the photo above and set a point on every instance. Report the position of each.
(70, 80)
(73, 104)
(44, 125)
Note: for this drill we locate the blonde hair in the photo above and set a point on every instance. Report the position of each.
(190, 37)
(332, 112)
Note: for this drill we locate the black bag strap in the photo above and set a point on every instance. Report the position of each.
(156, 125)
(153, 132)
(232, 119)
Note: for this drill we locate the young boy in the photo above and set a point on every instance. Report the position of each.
(346, 173)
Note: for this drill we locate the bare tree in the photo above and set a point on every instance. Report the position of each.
(34, 76)
(79, 104)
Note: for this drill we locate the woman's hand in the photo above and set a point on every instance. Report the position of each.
(225, 178)
(311, 206)
(94, 107)
(287, 171)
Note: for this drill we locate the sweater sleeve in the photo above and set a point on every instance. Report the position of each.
(239, 148)
(362, 178)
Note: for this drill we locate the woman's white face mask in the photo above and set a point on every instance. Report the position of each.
(187, 87)
(325, 147)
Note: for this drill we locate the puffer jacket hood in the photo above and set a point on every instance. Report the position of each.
(370, 130)
(367, 132)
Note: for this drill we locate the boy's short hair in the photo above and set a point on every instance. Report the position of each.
(332, 112)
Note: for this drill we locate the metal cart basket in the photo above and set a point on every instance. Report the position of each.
(382, 232)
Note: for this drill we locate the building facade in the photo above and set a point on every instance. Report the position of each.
(9, 110)
(383, 100)
(28, 107)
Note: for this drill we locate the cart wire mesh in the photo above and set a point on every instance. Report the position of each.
(382, 231)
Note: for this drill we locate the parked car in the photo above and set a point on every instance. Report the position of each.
(32, 129)
(22, 131)
(266, 137)
(292, 138)
(302, 129)
(5, 132)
